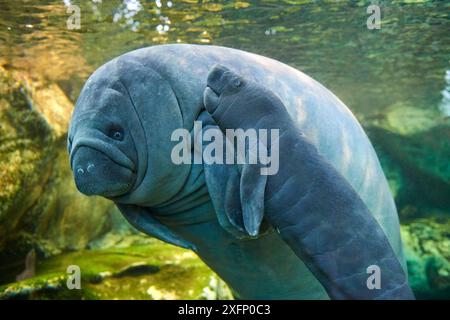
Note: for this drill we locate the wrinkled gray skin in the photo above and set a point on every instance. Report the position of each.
(312, 205)
(120, 146)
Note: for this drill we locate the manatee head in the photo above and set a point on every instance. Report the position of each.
(119, 136)
(102, 139)
(232, 100)
(223, 85)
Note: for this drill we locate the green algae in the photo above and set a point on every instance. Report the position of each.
(427, 253)
(35, 178)
(24, 150)
(169, 273)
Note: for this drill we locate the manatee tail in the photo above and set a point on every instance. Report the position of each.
(312, 206)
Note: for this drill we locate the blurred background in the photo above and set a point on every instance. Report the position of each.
(395, 79)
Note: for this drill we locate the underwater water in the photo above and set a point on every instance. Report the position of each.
(396, 80)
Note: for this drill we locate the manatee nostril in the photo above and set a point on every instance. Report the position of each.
(90, 167)
(80, 171)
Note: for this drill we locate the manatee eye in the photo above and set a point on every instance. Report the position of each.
(237, 82)
(116, 133)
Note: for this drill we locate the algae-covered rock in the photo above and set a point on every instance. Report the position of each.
(413, 145)
(217, 289)
(25, 153)
(427, 252)
(416, 164)
(406, 120)
(155, 271)
(39, 204)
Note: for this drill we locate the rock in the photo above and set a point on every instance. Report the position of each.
(157, 294)
(39, 205)
(406, 120)
(152, 271)
(217, 289)
(25, 154)
(413, 145)
(416, 165)
(427, 252)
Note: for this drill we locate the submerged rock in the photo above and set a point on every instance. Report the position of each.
(39, 205)
(161, 271)
(217, 289)
(406, 120)
(417, 167)
(427, 252)
(153, 271)
(413, 145)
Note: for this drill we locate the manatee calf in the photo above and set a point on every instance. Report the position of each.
(311, 205)
(120, 144)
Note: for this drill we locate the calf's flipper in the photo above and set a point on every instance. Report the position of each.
(237, 193)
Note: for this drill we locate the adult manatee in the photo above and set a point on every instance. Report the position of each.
(120, 148)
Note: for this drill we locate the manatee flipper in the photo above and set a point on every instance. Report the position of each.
(238, 212)
(223, 186)
(142, 220)
(252, 187)
(313, 207)
(237, 192)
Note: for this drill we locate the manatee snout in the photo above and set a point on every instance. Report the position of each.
(235, 102)
(221, 82)
(96, 173)
(218, 78)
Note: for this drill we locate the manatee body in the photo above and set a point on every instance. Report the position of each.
(120, 147)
